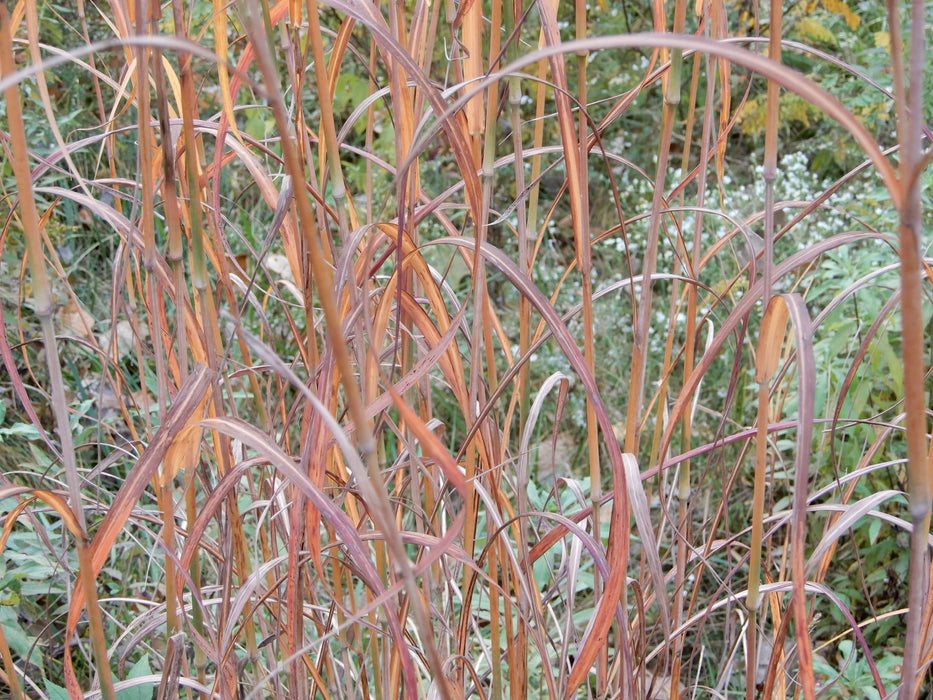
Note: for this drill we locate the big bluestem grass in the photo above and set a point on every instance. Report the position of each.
(463, 350)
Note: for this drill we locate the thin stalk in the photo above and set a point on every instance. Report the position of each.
(489, 155)
(44, 309)
(541, 92)
(771, 147)
(147, 197)
(672, 87)
(172, 209)
(525, 231)
(768, 357)
(16, 690)
(693, 271)
(761, 455)
(642, 311)
(585, 264)
(163, 485)
(42, 292)
(471, 68)
(95, 623)
(479, 337)
(329, 132)
(198, 275)
(910, 233)
(492, 103)
(753, 601)
(495, 630)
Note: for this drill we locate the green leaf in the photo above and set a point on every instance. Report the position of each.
(255, 127)
(874, 528)
(17, 639)
(26, 430)
(542, 572)
(56, 692)
(139, 692)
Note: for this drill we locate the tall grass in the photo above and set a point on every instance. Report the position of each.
(305, 302)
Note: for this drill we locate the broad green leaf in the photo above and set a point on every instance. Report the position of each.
(140, 692)
(56, 692)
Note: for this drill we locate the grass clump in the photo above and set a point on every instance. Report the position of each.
(428, 350)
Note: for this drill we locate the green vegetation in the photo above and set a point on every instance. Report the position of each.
(458, 350)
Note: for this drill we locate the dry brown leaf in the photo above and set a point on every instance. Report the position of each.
(183, 452)
(773, 328)
(76, 319)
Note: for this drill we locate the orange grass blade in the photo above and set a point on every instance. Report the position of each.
(796, 311)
